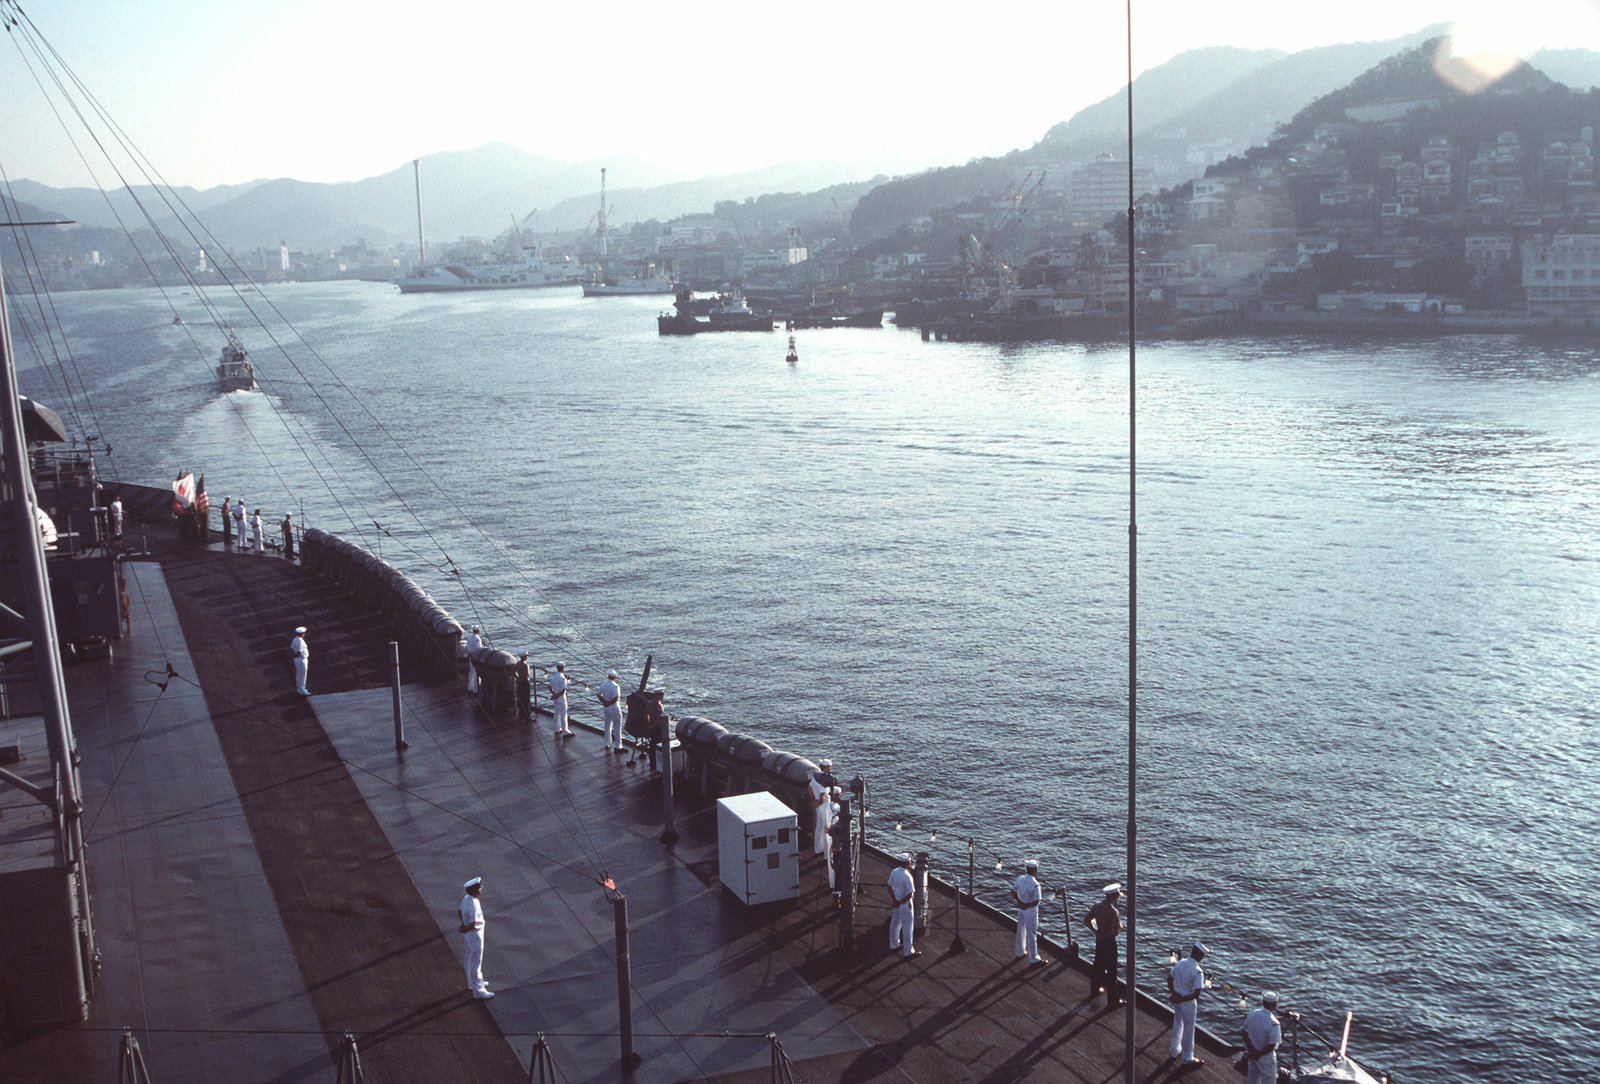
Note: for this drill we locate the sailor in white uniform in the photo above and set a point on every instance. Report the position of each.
(255, 533)
(610, 697)
(1027, 893)
(238, 522)
(302, 660)
(901, 924)
(471, 915)
(474, 642)
(1185, 982)
(821, 783)
(558, 700)
(1262, 1034)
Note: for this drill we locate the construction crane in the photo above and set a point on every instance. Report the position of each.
(978, 256)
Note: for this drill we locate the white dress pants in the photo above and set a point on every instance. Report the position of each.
(901, 927)
(1183, 1030)
(474, 942)
(301, 666)
(1028, 934)
(613, 717)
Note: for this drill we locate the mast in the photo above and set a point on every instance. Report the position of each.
(422, 246)
(602, 213)
(66, 799)
(1130, 997)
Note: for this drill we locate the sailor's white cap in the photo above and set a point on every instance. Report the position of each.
(1113, 889)
(524, 653)
(1269, 997)
(1032, 863)
(473, 883)
(611, 673)
(299, 630)
(905, 858)
(1200, 947)
(824, 763)
(475, 628)
(836, 791)
(561, 666)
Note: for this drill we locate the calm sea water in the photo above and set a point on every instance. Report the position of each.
(1369, 593)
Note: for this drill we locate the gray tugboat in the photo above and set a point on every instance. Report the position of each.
(234, 371)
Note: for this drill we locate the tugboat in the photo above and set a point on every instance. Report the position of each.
(730, 313)
(234, 372)
(793, 355)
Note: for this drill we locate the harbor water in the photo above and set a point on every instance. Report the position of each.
(1368, 583)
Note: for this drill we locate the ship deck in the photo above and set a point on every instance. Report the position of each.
(268, 872)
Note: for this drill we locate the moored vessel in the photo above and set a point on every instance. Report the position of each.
(529, 268)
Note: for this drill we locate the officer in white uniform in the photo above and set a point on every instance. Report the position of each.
(1262, 1034)
(610, 697)
(1185, 982)
(238, 521)
(901, 924)
(116, 517)
(1027, 894)
(474, 642)
(821, 782)
(302, 660)
(255, 532)
(471, 915)
(558, 700)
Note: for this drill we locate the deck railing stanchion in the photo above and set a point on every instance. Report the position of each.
(400, 743)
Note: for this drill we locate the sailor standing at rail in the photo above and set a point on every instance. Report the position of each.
(255, 533)
(471, 915)
(901, 925)
(1106, 922)
(821, 783)
(610, 697)
(558, 700)
(302, 660)
(227, 522)
(238, 523)
(835, 840)
(1262, 1034)
(1027, 894)
(523, 674)
(116, 517)
(474, 642)
(1185, 983)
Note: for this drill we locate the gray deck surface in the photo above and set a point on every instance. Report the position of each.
(268, 871)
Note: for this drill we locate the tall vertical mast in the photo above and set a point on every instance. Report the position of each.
(34, 583)
(422, 246)
(1132, 999)
(602, 212)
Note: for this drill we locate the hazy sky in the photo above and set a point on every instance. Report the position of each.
(224, 91)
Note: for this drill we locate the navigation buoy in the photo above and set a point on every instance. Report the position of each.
(792, 356)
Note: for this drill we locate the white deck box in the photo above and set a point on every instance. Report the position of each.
(758, 848)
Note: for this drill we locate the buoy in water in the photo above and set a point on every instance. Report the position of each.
(792, 356)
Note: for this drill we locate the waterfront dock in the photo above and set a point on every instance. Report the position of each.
(269, 872)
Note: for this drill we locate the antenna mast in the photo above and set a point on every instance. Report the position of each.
(422, 246)
(602, 213)
(1130, 996)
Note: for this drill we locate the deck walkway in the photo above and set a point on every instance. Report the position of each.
(270, 879)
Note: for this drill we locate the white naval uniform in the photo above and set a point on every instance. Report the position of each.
(901, 924)
(116, 517)
(1028, 896)
(611, 708)
(558, 701)
(821, 814)
(472, 915)
(302, 663)
(1263, 1030)
(1187, 978)
(474, 642)
(255, 533)
(238, 522)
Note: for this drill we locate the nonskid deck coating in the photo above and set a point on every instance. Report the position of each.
(380, 844)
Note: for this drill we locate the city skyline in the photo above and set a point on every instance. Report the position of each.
(228, 93)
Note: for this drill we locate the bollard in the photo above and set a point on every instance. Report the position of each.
(919, 903)
(400, 744)
(619, 910)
